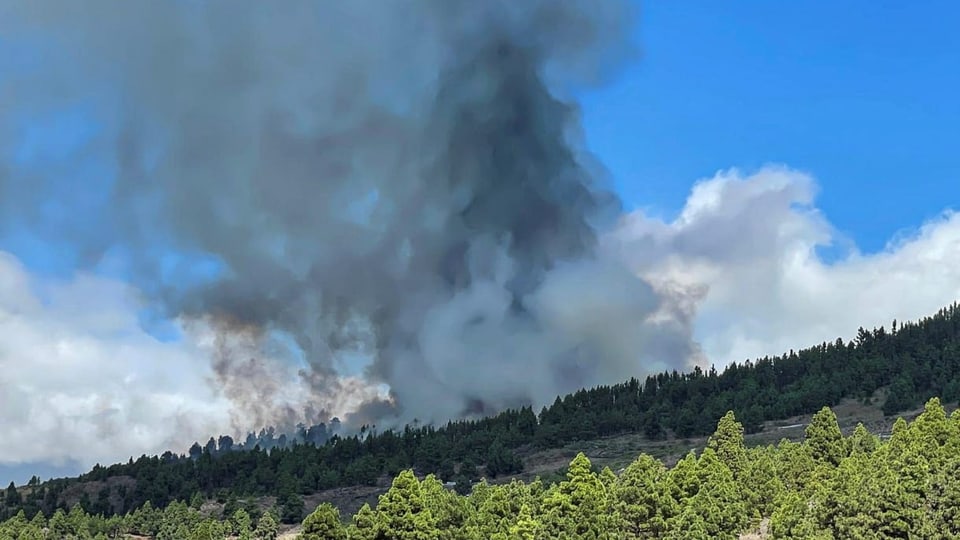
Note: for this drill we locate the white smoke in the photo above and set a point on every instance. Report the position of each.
(749, 243)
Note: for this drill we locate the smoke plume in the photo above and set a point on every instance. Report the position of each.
(348, 194)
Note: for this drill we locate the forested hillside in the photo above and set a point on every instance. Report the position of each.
(828, 486)
(914, 361)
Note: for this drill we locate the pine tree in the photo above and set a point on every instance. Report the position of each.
(682, 480)
(688, 525)
(12, 527)
(935, 432)
(449, 510)
(760, 481)
(59, 526)
(402, 513)
(241, 524)
(943, 501)
(727, 442)
(823, 438)
(719, 501)
(13, 498)
(526, 527)
(267, 527)
(39, 521)
(494, 512)
(323, 524)
(208, 529)
(642, 504)
(578, 506)
(791, 519)
(364, 525)
(861, 441)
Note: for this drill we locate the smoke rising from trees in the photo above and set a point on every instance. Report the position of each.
(395, 187)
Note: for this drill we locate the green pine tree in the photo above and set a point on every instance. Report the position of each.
(823, 439)
(241, 524)
(323, 524)
(642, 504)
(267, 527)
(364, 525)
(727, 442)
(577, 507)
(402, 513)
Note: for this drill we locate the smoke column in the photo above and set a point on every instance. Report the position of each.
(391, 189)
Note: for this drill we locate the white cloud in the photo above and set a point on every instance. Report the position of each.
(747, 245)
(80, 380)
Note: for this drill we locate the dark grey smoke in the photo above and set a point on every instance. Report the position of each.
(396, 180)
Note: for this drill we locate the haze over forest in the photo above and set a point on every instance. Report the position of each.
(214, 220)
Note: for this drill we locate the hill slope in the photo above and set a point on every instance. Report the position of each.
(830, 485)
(911, 361)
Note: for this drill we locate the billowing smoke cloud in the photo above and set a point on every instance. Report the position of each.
(392, 187)
(750, 248)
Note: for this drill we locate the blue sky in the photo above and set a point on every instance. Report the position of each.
(863, 95)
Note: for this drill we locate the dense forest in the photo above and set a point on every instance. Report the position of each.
(827, 486)
(913, 361)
